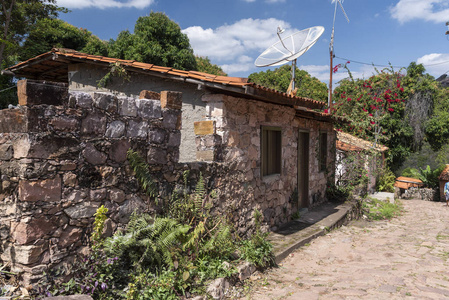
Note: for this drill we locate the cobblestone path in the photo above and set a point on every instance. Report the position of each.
(405, 258)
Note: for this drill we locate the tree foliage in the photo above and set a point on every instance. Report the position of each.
(50, 33)
(156, 40)
(279, 79)
(204, 65)
(399, 110)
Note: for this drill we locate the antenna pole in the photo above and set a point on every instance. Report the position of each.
(293, 74)
(329, 104)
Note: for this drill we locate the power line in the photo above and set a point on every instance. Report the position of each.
(378, 65)
(11, 87)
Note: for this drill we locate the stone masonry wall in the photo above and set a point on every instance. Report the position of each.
(59, 162)
(232, 135)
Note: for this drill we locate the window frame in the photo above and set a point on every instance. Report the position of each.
(270, 150)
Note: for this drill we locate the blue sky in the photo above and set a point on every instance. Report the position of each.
(233, 33)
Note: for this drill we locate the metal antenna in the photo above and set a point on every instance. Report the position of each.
(331, 49)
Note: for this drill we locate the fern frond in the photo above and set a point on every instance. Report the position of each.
(143, 174)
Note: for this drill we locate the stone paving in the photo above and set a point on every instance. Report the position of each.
(405, 258)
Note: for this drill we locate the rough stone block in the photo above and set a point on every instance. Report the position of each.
(148, 109)
(25, 233)
(6, 151)
(156, 136)
(207, 155)
(106, 101)
(40, 190)
(70, 236)
(82, 210)
(93, 156)
(93, 124)
(137, 129)
(157, 156)
(81, 99)
(51, 146)
(174, 139)
(171, 100)
(33, 92)
(127, 106)
(115, 129)
(172, 119)
(13, 120)
(118, 151)
(65, 124)
(145, 94)
(204, 127)
(23, 254)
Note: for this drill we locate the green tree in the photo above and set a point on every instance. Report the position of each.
(49, 33)
(156, 40)
(17, 18)
(204, 65)
(279, 79)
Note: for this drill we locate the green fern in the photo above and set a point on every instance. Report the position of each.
(143, 174)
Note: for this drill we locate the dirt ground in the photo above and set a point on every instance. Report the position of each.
(404, 258)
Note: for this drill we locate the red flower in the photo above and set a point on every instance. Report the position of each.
(364, 110)
(401, 89)
(326, 111)
(390, 109)
(372, 122)
(370, 115)
(349, 99)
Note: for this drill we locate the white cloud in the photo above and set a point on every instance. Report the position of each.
(234, 45)
(427, 10)
(103, 4)
(436, 64)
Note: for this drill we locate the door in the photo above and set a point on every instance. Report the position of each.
(303, 169)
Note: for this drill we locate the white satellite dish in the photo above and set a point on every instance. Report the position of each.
(288, 49)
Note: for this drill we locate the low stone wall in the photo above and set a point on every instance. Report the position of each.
(59, 162)
(417, 193)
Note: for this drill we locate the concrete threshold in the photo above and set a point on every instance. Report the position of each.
(310, 225)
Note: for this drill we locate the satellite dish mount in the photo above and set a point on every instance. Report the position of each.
(289, 49)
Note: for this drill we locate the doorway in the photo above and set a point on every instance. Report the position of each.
(303, 169)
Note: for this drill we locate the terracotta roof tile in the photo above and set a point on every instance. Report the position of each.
(445, 174)
(41, 62)
(358, 142)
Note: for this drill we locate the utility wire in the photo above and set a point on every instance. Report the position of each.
(378, 65)
(11, 87)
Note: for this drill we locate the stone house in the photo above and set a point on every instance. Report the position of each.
(63, 150)
(348, 144)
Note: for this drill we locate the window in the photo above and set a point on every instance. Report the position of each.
(271, 150)
(323, 151)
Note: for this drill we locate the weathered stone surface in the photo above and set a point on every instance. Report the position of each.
(93, 156)
(217, 288)
(21, 145)
(6, 151)
(205, 155)
(115, 129)
(93, 123)
(171, 100)
(156, 136)
(52, 147)
(40, 190)
(32, 92)
(246, 270)
(148, 109)
(137, 129)
(24, 233)
(157, 156)
(145, 94)
(127, 106)
(106, 101)
(82, 210)
(69, 179)
(171, 119)
(23, 254)
(65, 123)
(13, 120)
(118, 150)
(70, 236)
(98, 194)
(128, 207)
(81, 99)
(117, 195)
(174, 139)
